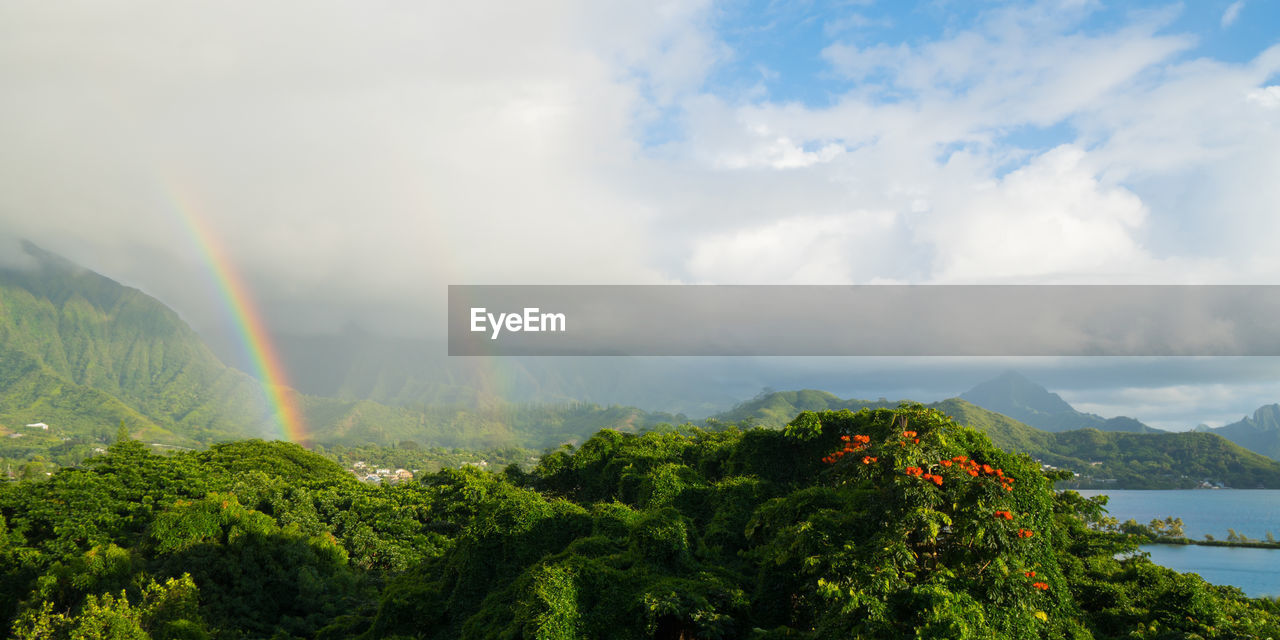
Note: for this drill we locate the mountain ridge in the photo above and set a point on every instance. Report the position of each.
(1101, 458)
(1018, 397)
(94, 353)
(1257, 432)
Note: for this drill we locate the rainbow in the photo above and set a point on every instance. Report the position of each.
(250, 328)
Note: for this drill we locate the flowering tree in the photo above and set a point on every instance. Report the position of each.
(923, 527)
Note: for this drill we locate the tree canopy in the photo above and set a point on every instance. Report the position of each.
(884, 523)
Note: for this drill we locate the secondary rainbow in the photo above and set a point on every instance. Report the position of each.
(248, 323)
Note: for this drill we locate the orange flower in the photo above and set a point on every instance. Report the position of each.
(986, 468)
(862, 438)
(937, 480)
(1004, 514)
(945, 463)
(960, 459)
(1025, 533)
(909, 434)
(1031, 574)
(917, 440)
(1041, 586)
(845, 438)
(973, 472)
(868, 459)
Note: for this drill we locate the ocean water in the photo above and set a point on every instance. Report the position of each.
(1255, 571)
(1250, 513)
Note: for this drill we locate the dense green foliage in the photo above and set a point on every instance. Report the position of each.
(876, 524)
(1116, 460)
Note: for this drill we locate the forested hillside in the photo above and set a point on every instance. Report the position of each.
(877, 524)
(1158, 460)
(82, 351)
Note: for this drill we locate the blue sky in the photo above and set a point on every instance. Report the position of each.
(777, 48)
(778, 51)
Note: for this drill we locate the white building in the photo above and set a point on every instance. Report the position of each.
(39, 425)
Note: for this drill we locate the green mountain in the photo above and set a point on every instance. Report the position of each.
(1259, 432)
(1016, 396)
(35, 394)
(83, 353)
(774, 409)
(1101, 459)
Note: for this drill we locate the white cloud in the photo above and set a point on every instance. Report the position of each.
(1266, 97)
(342, 152)
(1176, 407)
(1050, 218)
(778, 153)
(828, 249)
(361, 157)
(1229, 16)
(1165, 149)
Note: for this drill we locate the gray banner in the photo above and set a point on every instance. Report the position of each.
(911, 320)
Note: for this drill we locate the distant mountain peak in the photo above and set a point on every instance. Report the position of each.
(41, 257)
(1266, 417)
(1017, 396)
(1259, 432)
(1012, 389)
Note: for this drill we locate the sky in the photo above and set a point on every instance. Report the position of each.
(354, 158)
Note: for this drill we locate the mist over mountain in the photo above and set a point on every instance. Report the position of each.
(85, 354)
(1016, 396)
(358, 364)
